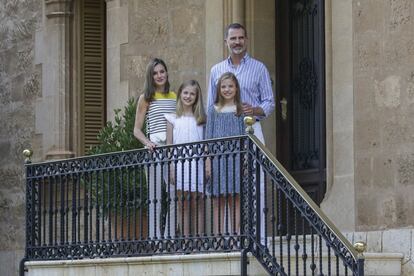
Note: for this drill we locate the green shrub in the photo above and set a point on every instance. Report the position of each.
(120, 187)
(118, 135)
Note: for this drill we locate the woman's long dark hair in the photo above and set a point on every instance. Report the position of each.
(149, 85)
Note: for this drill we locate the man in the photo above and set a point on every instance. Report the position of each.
(253, 77)
(255, 86)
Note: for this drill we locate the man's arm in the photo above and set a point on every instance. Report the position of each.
(267, 101)
(211, 92)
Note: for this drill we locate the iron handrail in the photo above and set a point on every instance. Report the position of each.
(306, 197)
(357, 257)
(55, 176)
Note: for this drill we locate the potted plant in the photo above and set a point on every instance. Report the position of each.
(118, 188)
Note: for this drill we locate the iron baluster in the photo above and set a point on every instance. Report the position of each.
(115, 202)
(169, 200)
(97, 202)
(296, 247)
(265, 209)
(44, 212)
(109, 203)
(197, 199)
(288, 236)
(227, 195)
(128, 203)
(175, 198)
(62, 211)
(337, 263)
(103, 205)
(313, 265)
(320, 256)
(121, 203)
(219, 194)
(182, 199)
(204, 217)
(304, 254)
(67, 210)
(143, 203)
(257, 198)
(50, 212)
(280, 227)
(273, 220)
(134, 200)
(90, 205)
(163, 186)
(329, 259)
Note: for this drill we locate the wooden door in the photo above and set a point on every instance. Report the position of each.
(300, 61)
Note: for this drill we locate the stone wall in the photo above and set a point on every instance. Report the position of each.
(171, 30)
(19, 87)
(384, 111)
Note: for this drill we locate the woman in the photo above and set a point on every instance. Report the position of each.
(156, 101)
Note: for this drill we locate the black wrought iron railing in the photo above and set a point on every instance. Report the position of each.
(218, 195)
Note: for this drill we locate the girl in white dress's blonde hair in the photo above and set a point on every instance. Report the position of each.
(187, 126)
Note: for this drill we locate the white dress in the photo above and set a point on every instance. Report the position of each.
(186, 130)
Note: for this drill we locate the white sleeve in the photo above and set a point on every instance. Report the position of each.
(170, 118)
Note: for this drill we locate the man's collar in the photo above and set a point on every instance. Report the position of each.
(244, 59)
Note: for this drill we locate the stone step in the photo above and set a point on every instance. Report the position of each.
(212, 264)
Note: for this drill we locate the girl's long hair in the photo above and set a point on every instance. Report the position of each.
(198, 106)
(149, 84)
(219, 101)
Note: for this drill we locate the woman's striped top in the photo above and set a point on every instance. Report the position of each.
(162, 103)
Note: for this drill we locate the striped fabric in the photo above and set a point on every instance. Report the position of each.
(163, 103)
(254, 80)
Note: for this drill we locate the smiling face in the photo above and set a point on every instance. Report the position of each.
(160, 77)
(228, 91)
(236, 41)
(188, 96)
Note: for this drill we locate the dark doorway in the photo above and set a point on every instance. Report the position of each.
(300, 69)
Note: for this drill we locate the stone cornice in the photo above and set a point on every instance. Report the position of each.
(58, 8)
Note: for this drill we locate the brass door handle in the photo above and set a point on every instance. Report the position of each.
(283, 105)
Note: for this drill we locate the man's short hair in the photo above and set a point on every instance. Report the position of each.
(234, 26)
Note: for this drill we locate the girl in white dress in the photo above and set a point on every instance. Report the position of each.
(187, 126)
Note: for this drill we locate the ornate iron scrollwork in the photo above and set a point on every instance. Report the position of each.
(306, 83)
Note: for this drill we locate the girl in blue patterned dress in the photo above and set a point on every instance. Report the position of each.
(225, 119)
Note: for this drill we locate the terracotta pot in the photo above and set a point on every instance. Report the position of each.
(134, 227)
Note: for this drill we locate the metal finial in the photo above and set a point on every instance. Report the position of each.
(249, 121)
(360, 248)
(28, 155)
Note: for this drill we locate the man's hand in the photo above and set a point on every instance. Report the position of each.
(248, 110)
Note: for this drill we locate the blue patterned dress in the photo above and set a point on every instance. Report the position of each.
(225, 171)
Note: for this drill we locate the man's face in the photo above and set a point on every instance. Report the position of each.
(236, 41)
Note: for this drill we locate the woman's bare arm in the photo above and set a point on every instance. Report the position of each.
(142, 108)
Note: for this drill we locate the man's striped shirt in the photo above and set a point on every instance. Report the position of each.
(254, 80)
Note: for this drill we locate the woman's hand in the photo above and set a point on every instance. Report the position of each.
(150, 145)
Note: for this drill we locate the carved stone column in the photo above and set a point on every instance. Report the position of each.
(234, 11)
(56, 85)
